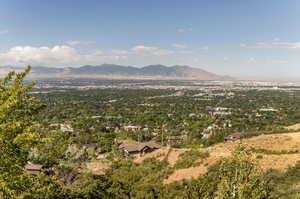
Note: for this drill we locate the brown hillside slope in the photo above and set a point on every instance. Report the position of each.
(294, 127)
(272, 143)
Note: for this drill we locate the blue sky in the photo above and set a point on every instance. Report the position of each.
(248, 39)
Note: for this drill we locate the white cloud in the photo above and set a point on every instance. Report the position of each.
(120, 52)
(272, 45)
(55, 56)
(179, 46)
(181, 30)
(225, 58)
(65, 55)
(150, 51)
(98, 52)
(185, 51)
(80, 43)
(2, 32)
(251, 60)
(279, 61)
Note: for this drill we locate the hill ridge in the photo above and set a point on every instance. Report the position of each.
(114, 71)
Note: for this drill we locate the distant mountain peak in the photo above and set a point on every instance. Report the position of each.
(113, 71)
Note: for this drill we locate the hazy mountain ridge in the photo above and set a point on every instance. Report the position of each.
(111, 71)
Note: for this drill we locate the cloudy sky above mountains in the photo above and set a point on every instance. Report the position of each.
(231, 37)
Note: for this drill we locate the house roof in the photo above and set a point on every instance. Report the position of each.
(93, 145)
(174, 137)
(152, 144)
(234, 135)
(133, 147)
(31, 166)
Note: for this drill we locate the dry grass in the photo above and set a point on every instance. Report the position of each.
(274, 142)
(96, 168)
(280, 162)
(294, 127)
(194, 172)
(169, 154)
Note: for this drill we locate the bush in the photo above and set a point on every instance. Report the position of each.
(259, 157)
(188, 158)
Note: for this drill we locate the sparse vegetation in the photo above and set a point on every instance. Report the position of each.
(190, 158)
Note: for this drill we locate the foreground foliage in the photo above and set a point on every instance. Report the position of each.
(17, 111)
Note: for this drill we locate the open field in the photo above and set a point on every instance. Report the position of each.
(97, 167)
(279, 151)
(294, 127)
(169, 154)
(271, 142)
(194, 172)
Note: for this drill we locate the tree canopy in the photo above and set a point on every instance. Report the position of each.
(17, 112)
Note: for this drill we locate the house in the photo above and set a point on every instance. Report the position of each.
(90, 145)
(221, 113)
(101, 156)
(206, 135)
(268, 110)
(62, 127)
(66, 128)
(233, 137)
(211, 128)
(176, 139)
(132, 128)
(137, 148)
(54, 126)
(192, 114)
(96, 116)
(33, 169)
(221, 109)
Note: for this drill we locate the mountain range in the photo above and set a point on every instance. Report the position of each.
(111, 71)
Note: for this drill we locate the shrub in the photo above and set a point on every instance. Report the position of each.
(188, 158)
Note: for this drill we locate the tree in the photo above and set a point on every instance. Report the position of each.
(240, 178)
(17, 113)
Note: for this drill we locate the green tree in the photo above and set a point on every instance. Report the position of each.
(241, 178)
(17, 112)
